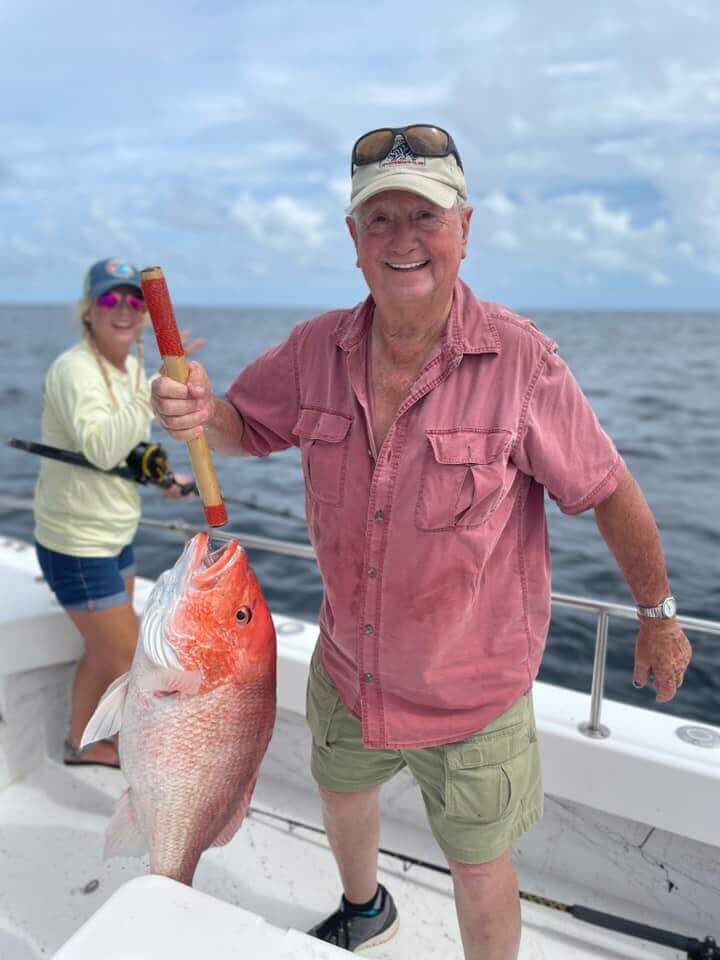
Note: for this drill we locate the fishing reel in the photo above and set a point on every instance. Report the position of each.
(148, 463)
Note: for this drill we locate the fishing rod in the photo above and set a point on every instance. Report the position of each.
(695, 949)
(147, 463)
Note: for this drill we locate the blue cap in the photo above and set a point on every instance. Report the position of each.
(106, 274)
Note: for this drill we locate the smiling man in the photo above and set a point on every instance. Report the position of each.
(430, 424)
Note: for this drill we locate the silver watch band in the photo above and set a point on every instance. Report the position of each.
(665, 610)
(655, 612)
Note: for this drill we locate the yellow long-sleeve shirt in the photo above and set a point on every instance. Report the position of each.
(79, 511)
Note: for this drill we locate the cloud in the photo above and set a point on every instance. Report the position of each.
(405, 96)
(499, 203)
(589, 136)
(579, 69)
(282, 224)
(505, 239)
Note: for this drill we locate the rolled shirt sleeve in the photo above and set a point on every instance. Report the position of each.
(267, 396)
(562, 445)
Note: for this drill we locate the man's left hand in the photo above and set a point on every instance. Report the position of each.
(662, 655)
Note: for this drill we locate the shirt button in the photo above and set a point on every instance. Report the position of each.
(372, 572)
(368, 677)
(368, 628)
(379, 515)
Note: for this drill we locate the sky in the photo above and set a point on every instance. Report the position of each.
(213, 137)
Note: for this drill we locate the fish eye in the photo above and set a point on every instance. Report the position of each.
(244, 615)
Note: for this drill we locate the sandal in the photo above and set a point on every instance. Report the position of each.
(73, 757)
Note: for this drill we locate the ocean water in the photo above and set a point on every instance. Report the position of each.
(652, 378)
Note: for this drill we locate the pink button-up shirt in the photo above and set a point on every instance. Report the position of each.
(433, 550)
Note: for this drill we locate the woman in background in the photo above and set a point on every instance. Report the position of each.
(96, 402)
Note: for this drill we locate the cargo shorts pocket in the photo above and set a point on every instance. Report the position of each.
(489, 774)
(324, 448)
(321, 702)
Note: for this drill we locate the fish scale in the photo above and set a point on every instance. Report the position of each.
(199, 771)
(195, 713)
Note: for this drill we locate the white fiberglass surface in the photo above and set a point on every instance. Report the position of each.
(54, 880)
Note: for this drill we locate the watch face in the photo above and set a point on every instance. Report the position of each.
(669, 606)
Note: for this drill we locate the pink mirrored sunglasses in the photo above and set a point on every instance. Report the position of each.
(112, 299)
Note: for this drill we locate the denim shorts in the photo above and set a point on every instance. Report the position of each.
(87, 583)
(480, 794)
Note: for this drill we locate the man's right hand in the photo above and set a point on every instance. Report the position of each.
(183, 408)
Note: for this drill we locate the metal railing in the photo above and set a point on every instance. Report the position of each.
(604, 609)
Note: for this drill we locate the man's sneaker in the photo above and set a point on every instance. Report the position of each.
(354, 930)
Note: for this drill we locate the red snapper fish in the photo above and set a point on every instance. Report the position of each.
(195, 712)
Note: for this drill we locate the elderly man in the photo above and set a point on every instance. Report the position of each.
(430, 424)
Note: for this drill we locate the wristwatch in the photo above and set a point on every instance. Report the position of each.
(665, 610)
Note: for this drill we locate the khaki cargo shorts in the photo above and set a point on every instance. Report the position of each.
(480, 794)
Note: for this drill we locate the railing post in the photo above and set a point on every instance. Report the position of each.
(594, 728)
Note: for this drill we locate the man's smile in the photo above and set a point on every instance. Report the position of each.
(407, 266)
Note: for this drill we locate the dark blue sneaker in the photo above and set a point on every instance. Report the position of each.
(353, 930)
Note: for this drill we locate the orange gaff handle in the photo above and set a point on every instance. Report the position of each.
(157, 299)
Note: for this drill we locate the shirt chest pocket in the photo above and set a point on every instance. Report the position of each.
(324, 446)
(464, 477)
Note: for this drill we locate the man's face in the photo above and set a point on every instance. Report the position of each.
(408, 248)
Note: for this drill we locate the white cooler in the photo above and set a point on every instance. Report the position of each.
(153, 918)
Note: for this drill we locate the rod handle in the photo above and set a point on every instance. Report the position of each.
(169, 341)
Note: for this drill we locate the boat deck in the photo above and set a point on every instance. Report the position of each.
(53, 878)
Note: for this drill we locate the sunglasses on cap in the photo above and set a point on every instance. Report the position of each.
(423, 140)
(112, 299)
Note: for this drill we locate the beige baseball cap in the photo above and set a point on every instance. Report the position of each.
(439, 179)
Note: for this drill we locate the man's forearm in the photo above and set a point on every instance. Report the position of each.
(225, 429)
(629, 529)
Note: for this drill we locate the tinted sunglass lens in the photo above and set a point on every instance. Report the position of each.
(427, 141)
(373, 146)
(108, 300)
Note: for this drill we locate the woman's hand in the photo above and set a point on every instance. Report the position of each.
(173, 492)
(183, 408)
(190, 346)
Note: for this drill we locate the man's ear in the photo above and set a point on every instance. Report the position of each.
(353, 230)
(465, 215)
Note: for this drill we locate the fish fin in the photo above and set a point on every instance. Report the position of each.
(235, 822)
(165, 680)
(107, 718)
(123, 837)
(153, 640)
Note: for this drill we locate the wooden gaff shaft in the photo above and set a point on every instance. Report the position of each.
(157, 299)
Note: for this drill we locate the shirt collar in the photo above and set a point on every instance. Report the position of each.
(469, 328)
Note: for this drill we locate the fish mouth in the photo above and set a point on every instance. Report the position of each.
(208, 564)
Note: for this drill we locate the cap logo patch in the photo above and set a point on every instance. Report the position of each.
(117, 269)
(401, 154)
